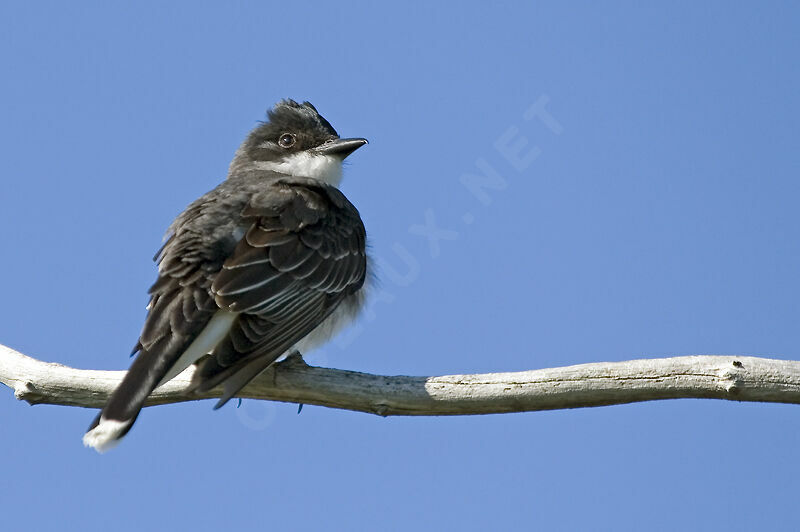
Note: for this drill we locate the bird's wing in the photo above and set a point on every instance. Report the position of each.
(303, 254)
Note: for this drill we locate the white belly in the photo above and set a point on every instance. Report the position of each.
(345, 313)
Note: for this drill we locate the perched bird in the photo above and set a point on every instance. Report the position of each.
(270, 261)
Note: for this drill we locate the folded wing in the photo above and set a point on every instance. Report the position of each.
(302, 254)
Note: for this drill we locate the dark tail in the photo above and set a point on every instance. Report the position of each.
(122, 409)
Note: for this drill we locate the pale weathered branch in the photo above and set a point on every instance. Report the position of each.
(713, 377)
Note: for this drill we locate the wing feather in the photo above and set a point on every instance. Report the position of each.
(302, 255)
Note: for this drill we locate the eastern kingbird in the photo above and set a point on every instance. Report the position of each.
(272, 260)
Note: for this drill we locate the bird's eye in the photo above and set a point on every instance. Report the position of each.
(287, 140)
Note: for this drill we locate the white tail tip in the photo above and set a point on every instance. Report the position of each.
(106, 435)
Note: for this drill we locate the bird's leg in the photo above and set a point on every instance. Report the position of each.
(294, 359)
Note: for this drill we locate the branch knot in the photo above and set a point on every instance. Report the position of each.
(733, 376)
(26, 391)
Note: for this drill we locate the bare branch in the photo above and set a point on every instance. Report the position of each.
(712, 377)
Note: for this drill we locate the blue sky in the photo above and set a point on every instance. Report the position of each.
(657, 216)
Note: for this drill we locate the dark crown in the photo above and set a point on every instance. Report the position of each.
(289, 114)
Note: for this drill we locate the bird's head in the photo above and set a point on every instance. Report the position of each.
(296, 140)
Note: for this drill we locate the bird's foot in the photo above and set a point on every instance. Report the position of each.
(293, 360)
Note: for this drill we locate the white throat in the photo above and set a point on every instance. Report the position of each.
(326, 168)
